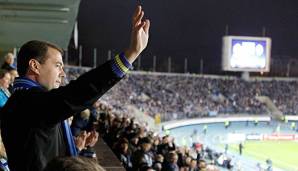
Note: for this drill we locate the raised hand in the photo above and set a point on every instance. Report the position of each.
(80, 140)
(139, 35)
(92, 138)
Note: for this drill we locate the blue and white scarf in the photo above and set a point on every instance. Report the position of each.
(4, 165)
(23, 83)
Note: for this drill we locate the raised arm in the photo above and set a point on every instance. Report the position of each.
(139, 35)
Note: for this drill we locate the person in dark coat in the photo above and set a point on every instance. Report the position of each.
(41, 106)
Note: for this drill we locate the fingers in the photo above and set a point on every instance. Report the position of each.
(94, 135)
(83, 135)
(137, 17)
(138, 20)
(80, 140)
(140, 25)
(136, 13)
(92, 139)
(147, 26)
(137, 23)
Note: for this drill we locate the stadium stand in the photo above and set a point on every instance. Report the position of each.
(173, 95)
(178, 96)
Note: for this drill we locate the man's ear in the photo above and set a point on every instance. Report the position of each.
(34, 66)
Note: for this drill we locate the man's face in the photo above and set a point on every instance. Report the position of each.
(51, 71)
(146, 146)
(13, 74)
(193, 164)
(10, 59)
(5, 81)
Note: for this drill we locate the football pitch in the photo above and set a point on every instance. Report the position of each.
(284, 154)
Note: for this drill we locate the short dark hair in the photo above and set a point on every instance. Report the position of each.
(145, 140)
(3, 72)
(33, 49)
(73, 164)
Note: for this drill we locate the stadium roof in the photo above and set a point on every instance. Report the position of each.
(23, 20)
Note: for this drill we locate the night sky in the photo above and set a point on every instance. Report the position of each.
(187, 28)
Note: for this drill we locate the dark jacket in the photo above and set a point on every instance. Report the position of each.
(31, 119)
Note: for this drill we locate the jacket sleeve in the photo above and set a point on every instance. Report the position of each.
(61, 103)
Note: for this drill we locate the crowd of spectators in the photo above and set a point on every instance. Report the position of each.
(174, 97)
(140, 149)
(179, 96)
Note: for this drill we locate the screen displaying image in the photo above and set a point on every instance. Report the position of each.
(248, 54)
(242, 53)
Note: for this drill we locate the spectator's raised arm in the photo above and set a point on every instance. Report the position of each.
(139, 35)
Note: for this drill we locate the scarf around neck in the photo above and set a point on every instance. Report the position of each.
(23, 83)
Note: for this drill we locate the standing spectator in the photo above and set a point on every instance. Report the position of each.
(43, 106)
(269, 165)
(226, 148)
(293, 126)
(227, 124)
(256, 122)
(205, 129)
(240, 148)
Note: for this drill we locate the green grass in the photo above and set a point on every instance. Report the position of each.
(284, 154)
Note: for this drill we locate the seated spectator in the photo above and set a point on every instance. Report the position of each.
(142, 157)
(8, 61)
(157, 165)
(202, 165)
(193, 165)
(121, 151)
(13, 74)
(171, 162)
(4, 84)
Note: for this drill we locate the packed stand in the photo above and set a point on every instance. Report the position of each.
(183, 96)
(186, 96)
(140, 149)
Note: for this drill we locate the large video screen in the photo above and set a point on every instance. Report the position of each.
(241, 53)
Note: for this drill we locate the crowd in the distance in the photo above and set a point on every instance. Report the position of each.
(179, 96)
(183, 96)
